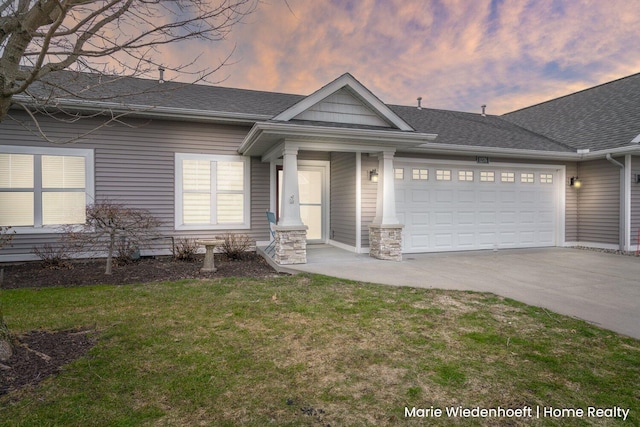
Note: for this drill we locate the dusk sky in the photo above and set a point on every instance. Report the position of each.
(456, 54)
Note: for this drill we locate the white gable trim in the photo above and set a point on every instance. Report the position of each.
(362, 92)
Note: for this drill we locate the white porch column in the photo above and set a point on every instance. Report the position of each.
(290, 232)
(386, 201)
(385, 232)
(290, 197)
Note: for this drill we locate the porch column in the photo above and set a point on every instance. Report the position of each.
(385, 232)
(386, 201)
(290, 232)
(290, 197)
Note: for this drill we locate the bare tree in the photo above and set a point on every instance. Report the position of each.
(110, 226)
(6, 338)
(114, 37)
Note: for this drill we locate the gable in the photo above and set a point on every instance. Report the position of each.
(343, 107)
(344, 101)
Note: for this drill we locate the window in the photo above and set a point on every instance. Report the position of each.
(465, 175)
(44, 187)
(420, 174)
(487, 176)
(399, 173)
(508, 177)
(212, 192)
(527, 178)
(443, 175)
(546, 178)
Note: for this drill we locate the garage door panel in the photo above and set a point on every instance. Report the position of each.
(444, 196)
(479, 213)
(418, 219)
(466, 196)
(466, 218)
(485, 196)
(419, 195)
(444, 218)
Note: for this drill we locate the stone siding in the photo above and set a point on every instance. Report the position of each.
(385, 242)
(291, 245)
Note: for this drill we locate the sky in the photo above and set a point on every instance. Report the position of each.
(455, 54)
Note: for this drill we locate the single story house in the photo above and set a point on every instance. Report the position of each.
(338, 166)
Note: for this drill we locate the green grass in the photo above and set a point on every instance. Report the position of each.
(313, 350)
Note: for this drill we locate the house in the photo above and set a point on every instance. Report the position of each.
(339, 166)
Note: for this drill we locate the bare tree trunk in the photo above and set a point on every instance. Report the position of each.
(6, 339)
(112, 244)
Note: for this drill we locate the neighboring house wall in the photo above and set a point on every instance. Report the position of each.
(635, 201)
(343, 198)
(598, 202)
(135, 166)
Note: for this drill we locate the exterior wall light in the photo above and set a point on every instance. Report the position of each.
(373, 175)
(575, 182)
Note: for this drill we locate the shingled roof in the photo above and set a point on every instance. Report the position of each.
(603, 117)
(600, 118)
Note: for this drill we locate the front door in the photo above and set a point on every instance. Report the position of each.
(313, 187)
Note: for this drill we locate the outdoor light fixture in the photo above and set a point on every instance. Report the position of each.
(575, 182)
(638, 179)
(373, 175)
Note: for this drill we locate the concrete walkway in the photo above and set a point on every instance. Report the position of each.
(601, 288)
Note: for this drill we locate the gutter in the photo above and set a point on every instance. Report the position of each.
(621, 227)
(146, 111)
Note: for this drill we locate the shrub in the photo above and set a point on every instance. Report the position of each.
(234, 246)
(186, 249)
(117, 229)
(54, 257)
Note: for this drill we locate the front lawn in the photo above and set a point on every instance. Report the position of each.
(314, 350)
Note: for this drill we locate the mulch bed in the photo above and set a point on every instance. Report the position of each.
(39, 354)
(144, 270)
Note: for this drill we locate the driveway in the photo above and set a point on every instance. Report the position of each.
(603, 289)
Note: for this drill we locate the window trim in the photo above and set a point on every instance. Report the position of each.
(178, 193)
(38, 152)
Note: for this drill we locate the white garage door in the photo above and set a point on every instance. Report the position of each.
(458, 207)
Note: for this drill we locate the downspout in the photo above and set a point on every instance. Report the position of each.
(621, 226)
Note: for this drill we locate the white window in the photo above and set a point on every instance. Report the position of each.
(527, 178)
(43, 188)
(399, 173)
(546, 178)
(443, 175)
(487, 176)
(465, 175)
(508, 177)
(212, 192)
(420, 174)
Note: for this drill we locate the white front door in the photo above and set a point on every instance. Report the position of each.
(312, 183)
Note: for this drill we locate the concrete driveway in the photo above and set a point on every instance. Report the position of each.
(601, 288)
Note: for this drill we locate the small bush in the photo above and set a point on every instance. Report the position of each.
(53, 257)
(126, 252)
(186, 249)
(234, 246)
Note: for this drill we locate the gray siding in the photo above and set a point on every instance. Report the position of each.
(343, 198)
(598, 202)
(571, 206)
(135, 165)
(635, 201)
(342, 107)
(369, 196)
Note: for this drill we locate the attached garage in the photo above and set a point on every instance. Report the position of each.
(467, 206)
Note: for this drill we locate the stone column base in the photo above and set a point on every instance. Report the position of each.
(385, 242)
(290, 244)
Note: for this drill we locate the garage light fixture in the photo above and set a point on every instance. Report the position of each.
(373, 175)
(575, 182)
